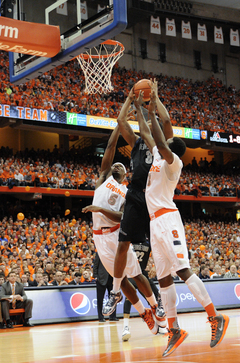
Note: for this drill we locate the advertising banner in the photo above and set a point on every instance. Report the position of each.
(33, 114)
(80, 303)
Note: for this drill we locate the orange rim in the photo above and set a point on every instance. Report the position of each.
(109, 42)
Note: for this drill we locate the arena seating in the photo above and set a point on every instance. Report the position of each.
(205, 105)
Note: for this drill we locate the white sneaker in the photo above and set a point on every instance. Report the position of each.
(126, 335)
(162, 330)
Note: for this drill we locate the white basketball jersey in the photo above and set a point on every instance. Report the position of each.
(162, 181)
(109, 195)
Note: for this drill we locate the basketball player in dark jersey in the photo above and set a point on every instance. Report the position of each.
(135, 223)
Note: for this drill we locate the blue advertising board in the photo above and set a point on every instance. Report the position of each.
(80, 303)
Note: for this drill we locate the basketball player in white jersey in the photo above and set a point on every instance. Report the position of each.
(108, 202)
(167, 231)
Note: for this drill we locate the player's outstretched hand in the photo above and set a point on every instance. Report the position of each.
(153, 97)
(91, 208)
(131, 95)
(139, 101)
(155, 86)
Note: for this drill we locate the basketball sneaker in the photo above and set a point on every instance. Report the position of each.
(175, 338)
(110, 306)
(147, 316)
(219, 326)
(126, 335)
(160, 316)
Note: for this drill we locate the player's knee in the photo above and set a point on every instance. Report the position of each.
(123, 247)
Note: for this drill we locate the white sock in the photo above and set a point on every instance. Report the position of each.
(125, 322)
(152, 300)
(197, 288)
(139, 307)
(116, 284)
(169, 297)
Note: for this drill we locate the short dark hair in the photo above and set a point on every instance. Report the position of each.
(178, 146)
(77, 274)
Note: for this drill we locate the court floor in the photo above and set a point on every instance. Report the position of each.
(88, 342)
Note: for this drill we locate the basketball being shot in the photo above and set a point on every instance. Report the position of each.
(120, 181)
(143, 85)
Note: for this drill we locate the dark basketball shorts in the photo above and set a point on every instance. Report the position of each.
(135, 223)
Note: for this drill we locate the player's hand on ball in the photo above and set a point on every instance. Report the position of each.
(139, 101)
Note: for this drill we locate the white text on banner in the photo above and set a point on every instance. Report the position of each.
(84, 11)
(62, 9)
(155, 27)
(186, 30)
(218, 35)
(170, 27)
(234, 37)
(202, 33)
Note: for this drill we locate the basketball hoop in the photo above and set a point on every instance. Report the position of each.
(97, 65)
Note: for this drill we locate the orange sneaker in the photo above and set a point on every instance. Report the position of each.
(219, 326)
(175, 338)
(160, 316)
(147, 316)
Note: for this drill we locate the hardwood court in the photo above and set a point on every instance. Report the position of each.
(90, 342)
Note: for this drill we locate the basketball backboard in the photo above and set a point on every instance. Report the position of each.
(83, 25)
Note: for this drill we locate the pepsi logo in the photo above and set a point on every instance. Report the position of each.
(237, 291)
(80, 303)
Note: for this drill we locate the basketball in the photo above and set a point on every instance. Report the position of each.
(67, 211)
(27, 188)
(67, 193)
(20, 216)
(145, 86)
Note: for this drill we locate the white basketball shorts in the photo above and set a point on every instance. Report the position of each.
(107, 245)
(168, 244)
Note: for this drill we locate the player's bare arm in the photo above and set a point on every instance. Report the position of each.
(163, 114)
(129, 136)
(114, 216)
(108, 156)
(145, 131)
(158, 135)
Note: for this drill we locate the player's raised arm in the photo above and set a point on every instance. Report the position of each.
(125, 129)
(163, 114)
(113, 215)
(157, 131)
(145, 131)
(108, 156)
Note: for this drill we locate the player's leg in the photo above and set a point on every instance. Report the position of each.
(175, 335)
(145, 313)
(219, 322)
(100, 296)
(120, 262)
(113, 316)
(126, 315)
(163, 253)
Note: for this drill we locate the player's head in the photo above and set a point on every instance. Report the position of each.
(177, 146)
(119, 171)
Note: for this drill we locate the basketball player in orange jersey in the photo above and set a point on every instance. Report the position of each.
(167, 231)
(135, 223)
(107, 208)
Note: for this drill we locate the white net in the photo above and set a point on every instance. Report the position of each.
(97, 65)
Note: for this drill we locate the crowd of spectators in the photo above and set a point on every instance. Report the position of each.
(54, 170)
(61, 251)
(207, 105)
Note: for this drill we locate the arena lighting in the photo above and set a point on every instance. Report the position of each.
(174, 6)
